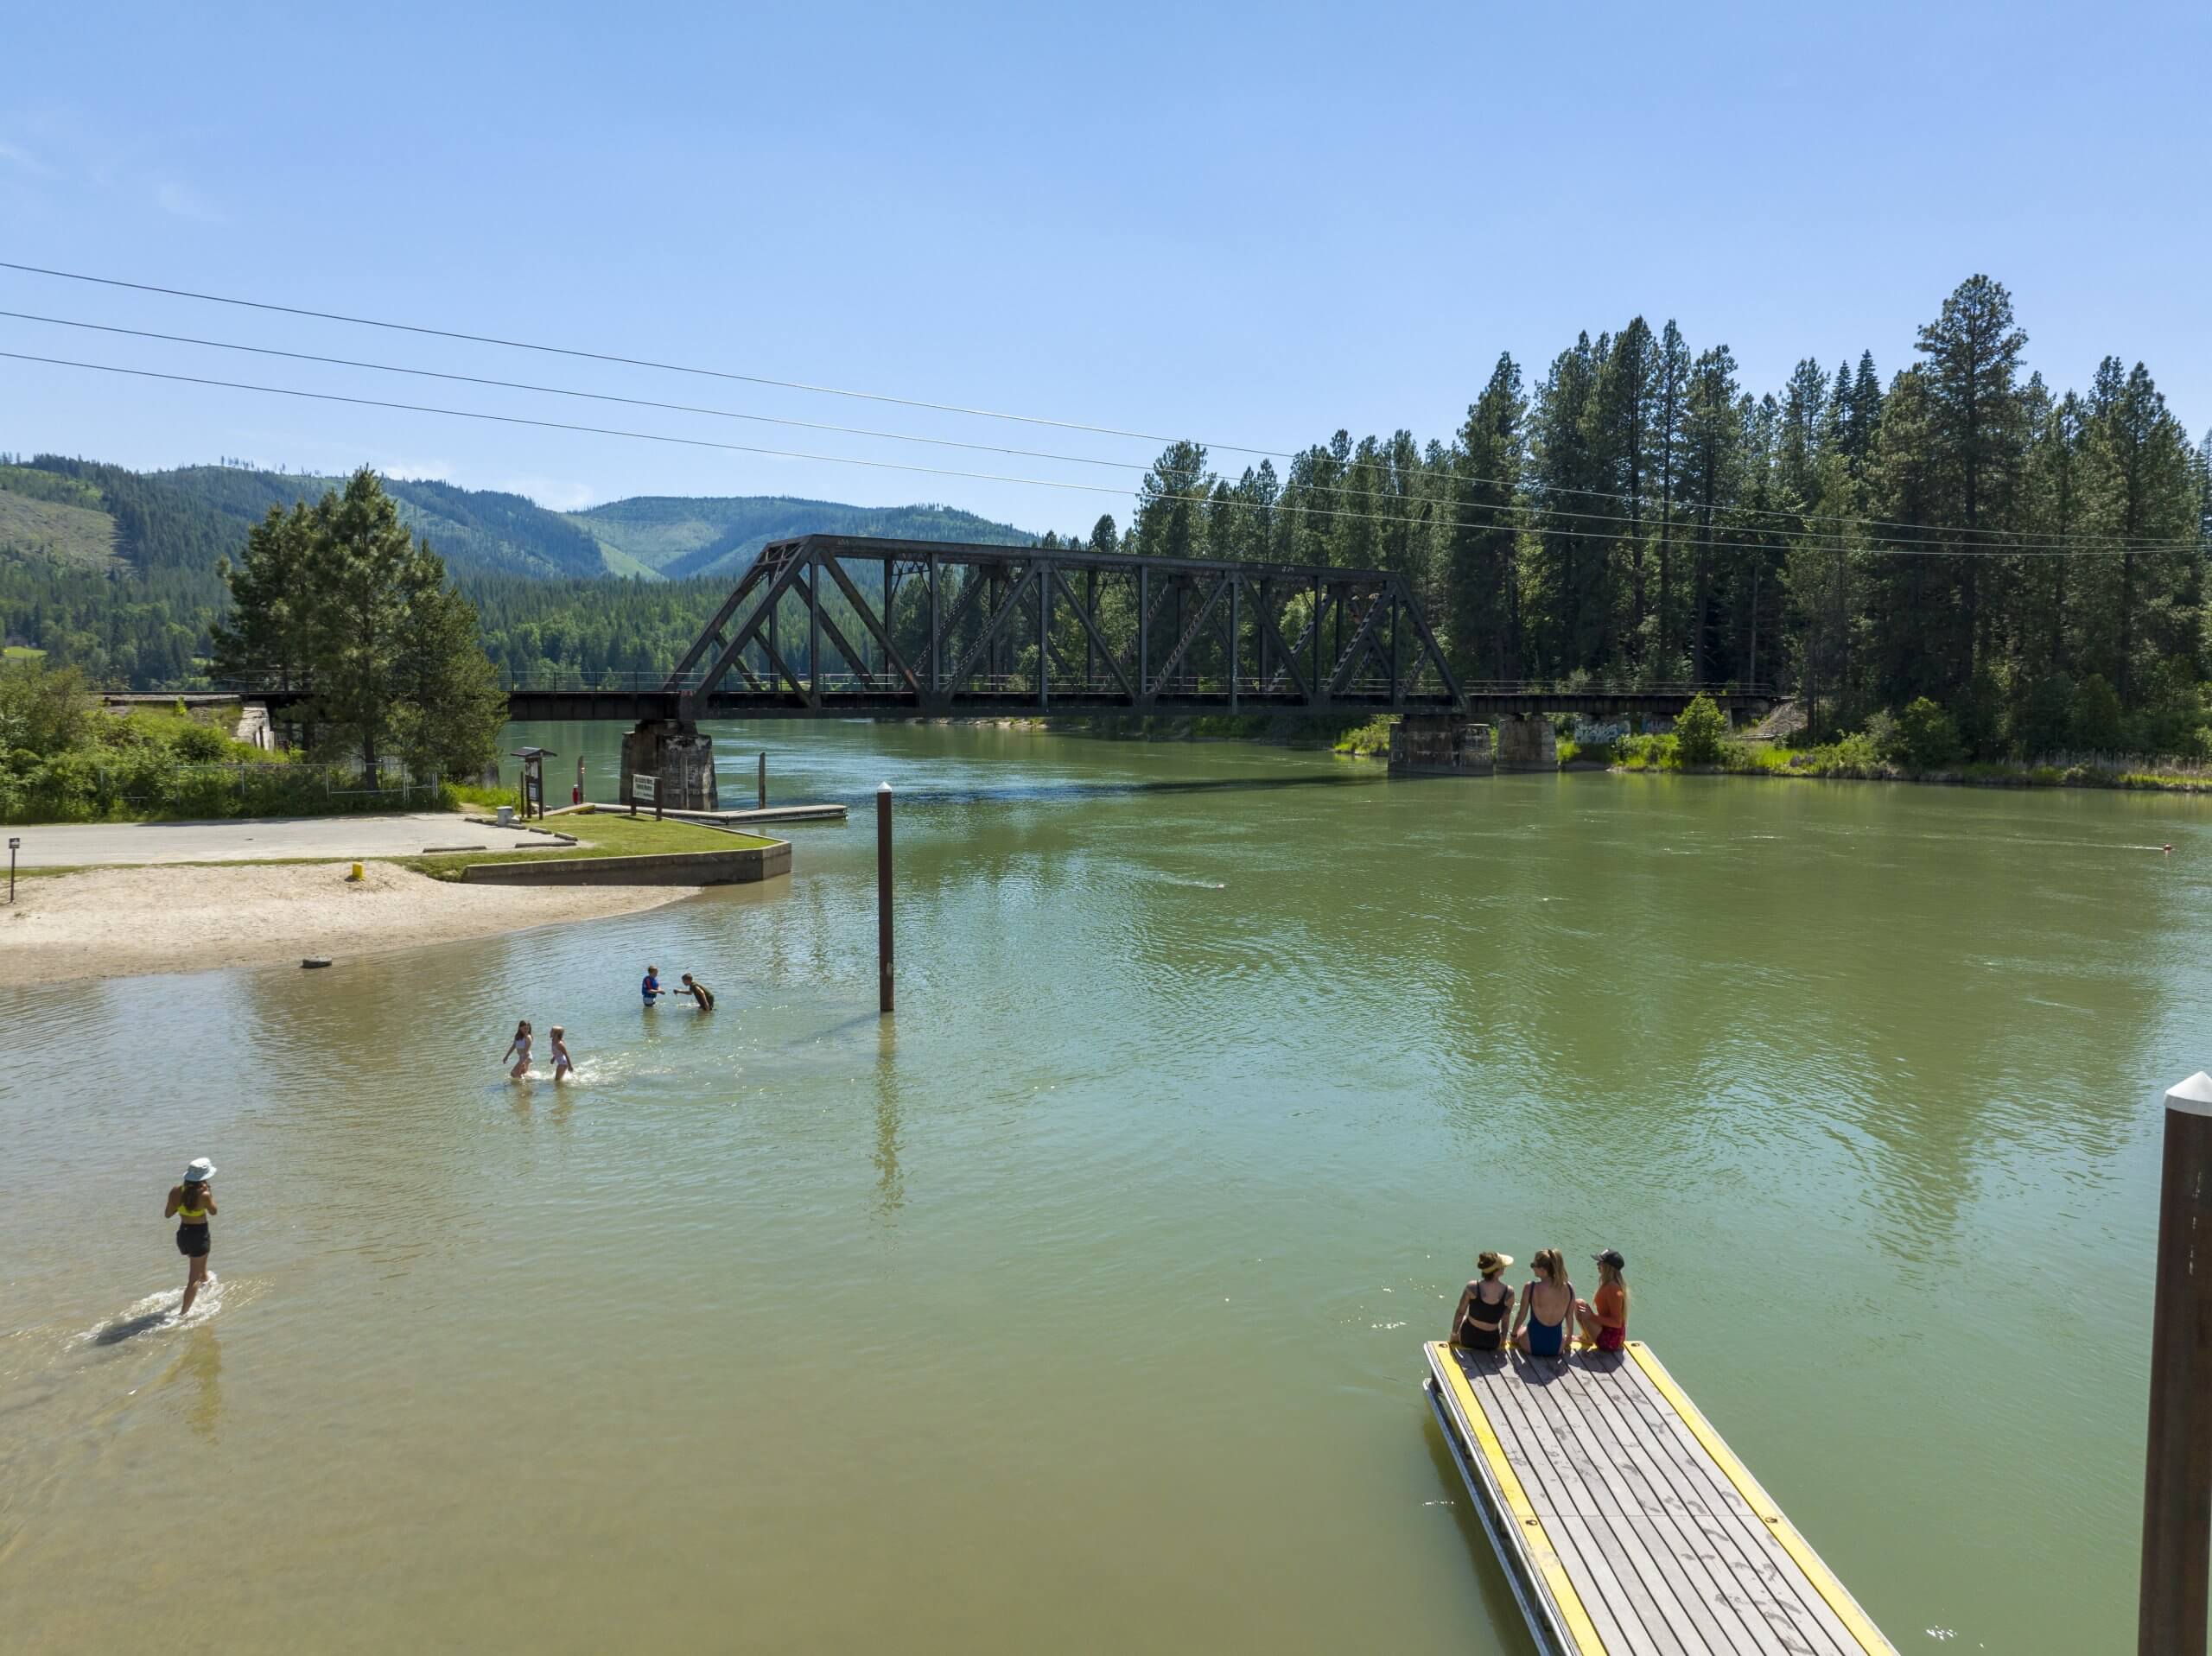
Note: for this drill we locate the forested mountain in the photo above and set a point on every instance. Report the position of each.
(115, 570)
(681, 537)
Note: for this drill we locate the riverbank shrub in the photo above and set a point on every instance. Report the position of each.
(1923, 737)
(65, 759)
(1700, 731)
(1370, 740)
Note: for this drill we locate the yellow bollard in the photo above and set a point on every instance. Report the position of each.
(356, 874)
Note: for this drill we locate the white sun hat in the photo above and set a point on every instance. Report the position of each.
(199, 1172)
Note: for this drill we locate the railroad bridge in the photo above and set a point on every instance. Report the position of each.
(836, 626)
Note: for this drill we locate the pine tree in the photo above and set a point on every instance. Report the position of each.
(1670, 408)
(2142, 483)
(1481, 601)
(340, 600)
(1618, 434)
(1712, 435)
(1977, 427)
(1569, 611)
(1804, 402)
(1864, 412)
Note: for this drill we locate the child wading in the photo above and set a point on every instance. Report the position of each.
(519, 1049)
(193, 1204)
(564, 1066)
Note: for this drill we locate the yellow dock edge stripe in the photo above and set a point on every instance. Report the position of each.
(1824, 1581)
(1541, 1552)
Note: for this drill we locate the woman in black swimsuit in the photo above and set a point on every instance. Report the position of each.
(192, 1204)
(1479, 1322)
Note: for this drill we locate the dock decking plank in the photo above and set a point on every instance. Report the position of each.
(1668, 1545)
(1705, 1578)
(1755, 1575)
(1681, 1584)
(1770, 1561)
(1570, 1492)
(1554, 1489)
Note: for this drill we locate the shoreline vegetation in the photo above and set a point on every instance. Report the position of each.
(1861, 757)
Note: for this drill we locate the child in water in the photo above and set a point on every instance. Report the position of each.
(698, 992)
(519, 1049)
(562, 1067)
(193, 1204)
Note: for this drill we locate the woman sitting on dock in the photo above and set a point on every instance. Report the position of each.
(1548, 1292)
(1479, 1323)
(1603, 1320)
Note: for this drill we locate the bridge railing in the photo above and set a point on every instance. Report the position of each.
(1610, 686)
(842, 682)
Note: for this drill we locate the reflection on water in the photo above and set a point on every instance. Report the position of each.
(1087, 1290)
(198, 1371)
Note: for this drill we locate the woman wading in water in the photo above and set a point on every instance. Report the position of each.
(193, 1204)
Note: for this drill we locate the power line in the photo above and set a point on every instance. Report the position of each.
(957, 408)
(1504, 513)
(561, 390)
(937, 471)
(591, 356)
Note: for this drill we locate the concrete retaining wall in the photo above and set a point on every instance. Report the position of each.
(740, 865)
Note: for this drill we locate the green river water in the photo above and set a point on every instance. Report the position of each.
(1080, 1307)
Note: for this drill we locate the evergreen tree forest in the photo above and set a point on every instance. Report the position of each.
(1945, 527)
(2027, 559)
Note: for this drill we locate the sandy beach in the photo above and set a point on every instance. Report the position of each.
(122, 922)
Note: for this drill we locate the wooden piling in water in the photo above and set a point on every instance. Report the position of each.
(2177, 1470)
(883, 898)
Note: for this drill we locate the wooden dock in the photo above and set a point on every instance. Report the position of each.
(752, 817)
(1626, 1526)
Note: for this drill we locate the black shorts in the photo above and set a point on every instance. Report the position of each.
(1474, 1337)
(192, 1241)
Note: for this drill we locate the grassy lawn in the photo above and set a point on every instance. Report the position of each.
(21, 652)
(599, 833)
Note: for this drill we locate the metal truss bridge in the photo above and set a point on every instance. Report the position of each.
(829, 626)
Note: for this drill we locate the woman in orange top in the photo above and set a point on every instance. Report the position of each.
(1604, 1319)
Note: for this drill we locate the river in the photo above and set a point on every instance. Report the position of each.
(1080, 1307)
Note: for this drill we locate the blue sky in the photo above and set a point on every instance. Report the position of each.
(1247, 225)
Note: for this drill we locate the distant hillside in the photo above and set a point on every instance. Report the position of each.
(115, 570)
(680, 536)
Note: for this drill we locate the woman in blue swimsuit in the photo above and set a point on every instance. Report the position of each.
(1539, 1326)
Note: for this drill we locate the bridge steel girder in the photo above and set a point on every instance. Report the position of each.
(1228, 652)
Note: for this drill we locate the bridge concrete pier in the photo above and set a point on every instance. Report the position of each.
(1440, 745)
(1527, 742)
(678, 756)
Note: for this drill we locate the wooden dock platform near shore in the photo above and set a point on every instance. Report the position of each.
(752, 817)
(1626, 1526)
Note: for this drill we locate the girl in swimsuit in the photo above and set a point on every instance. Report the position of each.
(1479, 1323)
(193, 1204)
(1604, 1318)
(562, 1068)
(519, 1049)
(1548, 1290)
